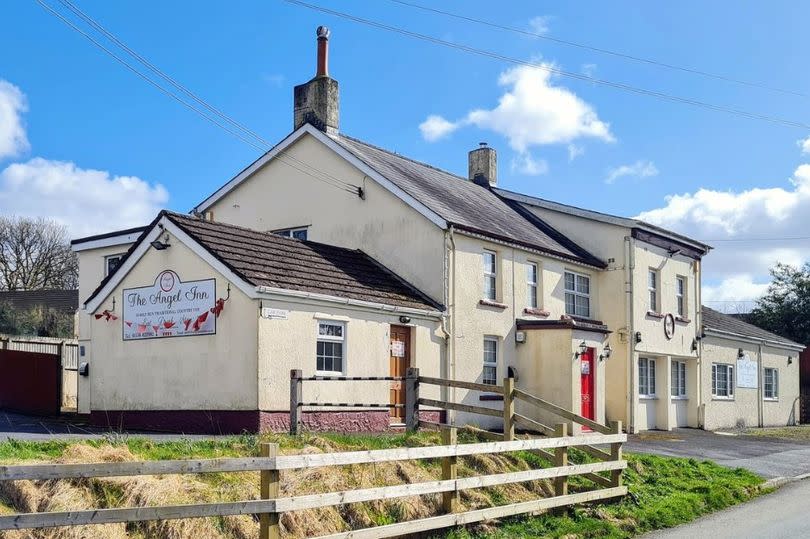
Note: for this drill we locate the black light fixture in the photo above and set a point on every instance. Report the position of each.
(694, 345)
(606, 352)
(790, 360)
(638, 337)
(404, 319)
(159, 245)
(583, 347)
(740, 353)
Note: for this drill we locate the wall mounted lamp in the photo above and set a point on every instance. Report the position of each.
(638, 337)
(160, 245)
(790, 360)
(583, 347)
(404, 319)
(694, 345)
(740, 353)
(606, 352)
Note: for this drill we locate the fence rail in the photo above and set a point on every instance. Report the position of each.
(66, 349)
(270, 505)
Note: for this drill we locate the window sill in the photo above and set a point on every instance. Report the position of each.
(491, 303)
(647, 398)
(536, 312)
(683, 320)
(328, 373)
(725, 399)
(770, 399)
(680, 398)
(490, 397)
(655, 314)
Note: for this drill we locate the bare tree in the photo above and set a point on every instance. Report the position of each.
(35, 254)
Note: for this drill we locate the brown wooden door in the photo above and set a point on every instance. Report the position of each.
(400, 360)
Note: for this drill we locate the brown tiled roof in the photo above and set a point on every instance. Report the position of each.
(266, 259)
(730, 324)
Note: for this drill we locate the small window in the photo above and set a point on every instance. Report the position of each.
(678, 379)
(722, 381)
(111, 263)
(531, 284)
(652, 287)
(299, 233)
(490, 375)
(330, 349)
(490, 275)
(646, 377)
(771, 385)
(577, 294)
(680, 295)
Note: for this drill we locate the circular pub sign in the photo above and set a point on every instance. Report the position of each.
(166, 281)
(669, 326)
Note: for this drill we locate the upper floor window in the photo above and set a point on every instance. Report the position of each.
(490, 275)
(111, 263)
(330, 351)
(646, 377)
(531, 284)
(722, 380)
(771, 385)
(652, 287)
(299, 233)
(577, 294)
(490, 375)
(680, 295)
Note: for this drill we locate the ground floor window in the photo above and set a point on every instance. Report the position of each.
(771, 385)
(330, 349)
(490, 361)
(678, 378)
(646, 377)
(722, 380)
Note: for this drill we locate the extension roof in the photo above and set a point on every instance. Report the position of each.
(723, 323)
(65, 301)
(264, 259)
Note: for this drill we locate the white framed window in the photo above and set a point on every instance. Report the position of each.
(490, 375)
(722, 381)
(652, 287)
(532, 275)
(490, 259)
(577, 294)
(680, 295)
(678, 388)
(771, 385)
(331, 348)
(298, 233)
(111, 262)
(646, 377)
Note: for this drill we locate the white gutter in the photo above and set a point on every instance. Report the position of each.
(266, 292)
(752, 340)
(629, 265)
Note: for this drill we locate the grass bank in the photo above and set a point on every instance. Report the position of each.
(664, 492)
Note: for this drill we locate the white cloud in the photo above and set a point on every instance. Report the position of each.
(87, 201)
(13, 139)
(734, 293)
(728, 220)
(525, 164)
(435, 127)
(539, 24)
(639, 169)
(804, 144)
(575, 151)
(531, 112)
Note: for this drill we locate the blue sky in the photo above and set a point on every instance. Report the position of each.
(78, 111)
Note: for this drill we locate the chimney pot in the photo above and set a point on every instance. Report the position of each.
(323, 51)
(483, 165)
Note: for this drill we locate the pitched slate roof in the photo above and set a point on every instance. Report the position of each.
(729, 324)
(466, 205)
(66, 301)
(266, 259)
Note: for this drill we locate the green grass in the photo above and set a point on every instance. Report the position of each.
(801, 432)
(663, 492)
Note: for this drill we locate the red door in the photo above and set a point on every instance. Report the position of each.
(587, 391)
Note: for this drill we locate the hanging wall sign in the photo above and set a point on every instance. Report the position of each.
(169, 308)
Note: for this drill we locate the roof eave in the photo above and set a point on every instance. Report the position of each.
(789, 345)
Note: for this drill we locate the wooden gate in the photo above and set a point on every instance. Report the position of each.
(30, 382)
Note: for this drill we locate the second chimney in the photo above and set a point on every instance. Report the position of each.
(483, 166)
(317, 101)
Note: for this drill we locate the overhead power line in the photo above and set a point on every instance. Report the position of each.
(556, 71)
(601, 50)
(219, 118)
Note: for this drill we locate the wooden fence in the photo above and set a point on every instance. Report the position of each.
(66, 349)
(270, 506)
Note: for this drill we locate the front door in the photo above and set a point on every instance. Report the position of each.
(400, 360)
(587, 390)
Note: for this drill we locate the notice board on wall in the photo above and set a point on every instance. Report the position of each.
(747, 372)
(169, 308)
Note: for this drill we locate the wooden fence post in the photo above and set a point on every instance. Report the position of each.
(412, 399)
(296, 396)
(616, 454)
(270, 489)
(508, 409)
(450, 500)
(561, 459)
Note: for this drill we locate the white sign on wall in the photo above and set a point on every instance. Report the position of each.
(747, 372)
(275, 314)
(169, 308)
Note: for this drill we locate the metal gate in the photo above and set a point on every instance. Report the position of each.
(30, 382)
